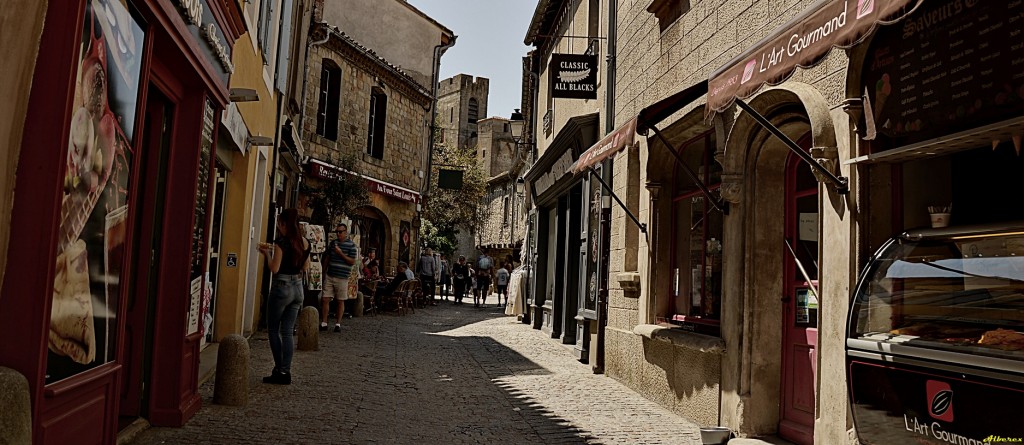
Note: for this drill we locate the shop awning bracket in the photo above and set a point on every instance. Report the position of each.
(842, 183)
(719, 203)
(596, 175)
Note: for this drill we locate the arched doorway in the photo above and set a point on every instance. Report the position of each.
(373, 233)
(800, 302)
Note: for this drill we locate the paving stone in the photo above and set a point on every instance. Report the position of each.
(446, 374)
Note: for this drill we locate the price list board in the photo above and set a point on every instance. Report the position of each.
(951, 66)
(202, 190)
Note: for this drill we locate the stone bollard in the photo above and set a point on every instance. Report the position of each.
(359, 305)
(231, 384)
(309, 324)
(16, 416)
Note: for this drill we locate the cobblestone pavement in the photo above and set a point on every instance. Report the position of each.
(444, 375)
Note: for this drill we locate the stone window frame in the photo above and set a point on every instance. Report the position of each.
(377, 123)
(329, 102)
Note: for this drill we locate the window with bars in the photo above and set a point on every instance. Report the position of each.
(377, 124)
(330, 100)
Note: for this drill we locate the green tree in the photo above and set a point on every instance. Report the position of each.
(448, 211)
(340, 195)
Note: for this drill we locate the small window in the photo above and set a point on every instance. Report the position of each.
(266, 13)
(474, 110)
(505, 211)
(330, 95)
(451, 115)
(377, 124)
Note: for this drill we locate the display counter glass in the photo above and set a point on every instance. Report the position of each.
(946, 291)
(935, 348)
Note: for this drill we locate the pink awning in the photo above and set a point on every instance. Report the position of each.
(803, 42)
(622, 137)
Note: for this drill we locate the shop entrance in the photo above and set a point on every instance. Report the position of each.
(158, 127)
(800, 303)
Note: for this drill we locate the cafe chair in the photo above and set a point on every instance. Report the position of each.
(369, 303)
(410, 294)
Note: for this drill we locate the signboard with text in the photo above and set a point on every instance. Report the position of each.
(951, 66)
(573, 76)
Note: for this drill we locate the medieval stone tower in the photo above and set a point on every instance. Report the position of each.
(461, 102)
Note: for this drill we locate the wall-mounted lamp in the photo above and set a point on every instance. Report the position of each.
(516, 124)
(243, 95)
(260, 141)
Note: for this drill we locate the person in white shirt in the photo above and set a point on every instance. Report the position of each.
(501, 282)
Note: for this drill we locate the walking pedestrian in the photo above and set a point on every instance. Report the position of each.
(460, 278)
(445, 280)
(501, 282)
(484, 266)
(341, 256)
(428, 273)
(287, 258)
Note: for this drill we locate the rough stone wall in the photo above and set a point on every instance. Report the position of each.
(394, 29)
(405, 147)
(453, 95)
(506, 217)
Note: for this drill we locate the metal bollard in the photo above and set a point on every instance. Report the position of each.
(309, 324)
(16, 416)
(231, 384)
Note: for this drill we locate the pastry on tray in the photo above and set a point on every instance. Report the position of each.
(1007, 339)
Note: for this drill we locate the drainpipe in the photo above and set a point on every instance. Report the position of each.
(609, 92)
(305, 71)
(439, 51)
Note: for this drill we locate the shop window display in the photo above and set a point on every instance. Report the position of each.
(696, 269)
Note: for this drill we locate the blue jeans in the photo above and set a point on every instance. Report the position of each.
(282, 310)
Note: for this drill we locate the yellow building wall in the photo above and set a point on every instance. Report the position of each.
(261, 120)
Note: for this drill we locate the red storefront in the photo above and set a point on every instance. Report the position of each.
(101, 298)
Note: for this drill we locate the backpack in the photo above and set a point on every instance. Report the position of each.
(484, 263)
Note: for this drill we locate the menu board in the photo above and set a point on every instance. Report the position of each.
(202, 191)
(951, 66)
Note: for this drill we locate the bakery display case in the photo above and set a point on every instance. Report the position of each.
(936, 337)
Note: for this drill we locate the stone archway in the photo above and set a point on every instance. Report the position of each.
(374, 231)
(754, 182)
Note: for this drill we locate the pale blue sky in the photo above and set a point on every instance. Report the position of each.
(490, 44)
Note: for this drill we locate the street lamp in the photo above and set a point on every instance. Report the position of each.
(516, 125)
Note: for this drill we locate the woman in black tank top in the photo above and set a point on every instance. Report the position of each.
(289, 259)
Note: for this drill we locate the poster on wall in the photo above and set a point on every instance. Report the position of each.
(94, 205)
(404, 240)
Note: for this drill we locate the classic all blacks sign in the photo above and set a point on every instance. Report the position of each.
(573, 76)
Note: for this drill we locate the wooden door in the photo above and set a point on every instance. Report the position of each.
(800, 304)
(158, 126)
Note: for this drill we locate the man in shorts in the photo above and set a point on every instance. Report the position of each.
(341, 255)
(484, 269)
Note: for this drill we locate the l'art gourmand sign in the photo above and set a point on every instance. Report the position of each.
(573, 76)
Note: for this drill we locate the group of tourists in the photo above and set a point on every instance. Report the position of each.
(461, 278)
(289, 260)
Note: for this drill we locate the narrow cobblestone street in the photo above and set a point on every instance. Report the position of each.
(443, 375)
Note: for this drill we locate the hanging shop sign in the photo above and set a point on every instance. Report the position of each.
(952, 66)
(803, 42)
(203, 26)
(573, 76)
(323, 170)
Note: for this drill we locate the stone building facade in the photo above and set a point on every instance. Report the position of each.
(502, 232)
(732, 307)
(363, 104)
(461, 104)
